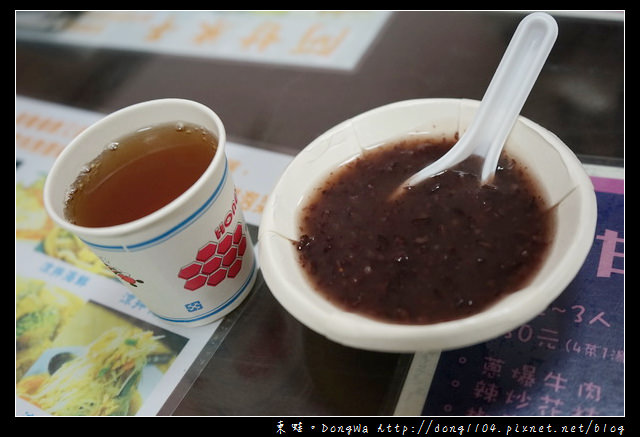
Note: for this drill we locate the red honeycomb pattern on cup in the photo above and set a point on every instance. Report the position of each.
(216, 261)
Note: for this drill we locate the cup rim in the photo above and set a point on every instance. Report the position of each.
(144, 222)
(355, 330)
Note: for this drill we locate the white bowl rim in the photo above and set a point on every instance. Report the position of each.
(363, 332)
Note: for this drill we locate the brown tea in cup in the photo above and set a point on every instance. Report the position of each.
(139, 173)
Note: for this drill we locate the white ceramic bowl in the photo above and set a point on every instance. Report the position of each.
(562, 179)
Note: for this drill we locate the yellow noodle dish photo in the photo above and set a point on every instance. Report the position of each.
(80, 358)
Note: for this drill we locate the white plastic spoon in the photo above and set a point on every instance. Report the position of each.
(509, 88)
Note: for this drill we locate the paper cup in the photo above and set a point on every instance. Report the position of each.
(190, 262)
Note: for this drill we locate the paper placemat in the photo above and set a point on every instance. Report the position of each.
(66, 293)
(311, 39)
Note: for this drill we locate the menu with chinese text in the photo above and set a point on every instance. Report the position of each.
(313, 39)
(81, 335)
(568, 361)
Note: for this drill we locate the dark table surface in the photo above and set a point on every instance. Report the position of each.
(268, 363)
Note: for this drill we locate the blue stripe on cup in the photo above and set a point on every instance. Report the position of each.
(174, 230)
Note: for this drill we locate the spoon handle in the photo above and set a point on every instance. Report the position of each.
(517, 73)
(509, 88)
